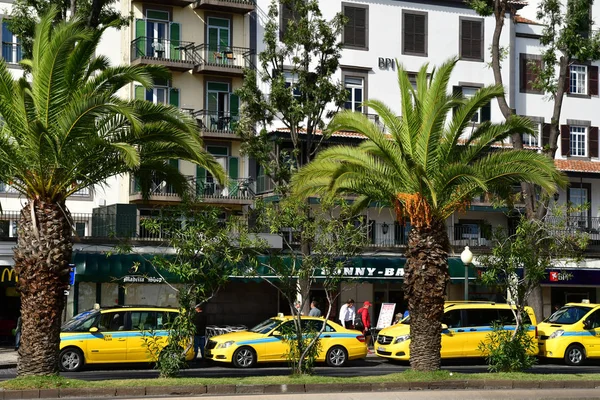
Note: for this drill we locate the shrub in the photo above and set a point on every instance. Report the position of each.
(508, 350)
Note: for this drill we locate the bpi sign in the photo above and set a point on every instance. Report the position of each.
(387, 63)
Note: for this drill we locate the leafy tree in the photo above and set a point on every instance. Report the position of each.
(64, 131)
(207, 252)
(334, 239)
(427, 169)
(536, 246)
(297, 69)
(567, 36)
(26, 14)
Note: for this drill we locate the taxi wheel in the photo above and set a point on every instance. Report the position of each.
(70, 360)
(575, 355)
(244, 357)
(337, 356)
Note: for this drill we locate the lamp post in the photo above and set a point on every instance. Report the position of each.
(466, 257)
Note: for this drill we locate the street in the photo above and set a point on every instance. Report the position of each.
(371, 366)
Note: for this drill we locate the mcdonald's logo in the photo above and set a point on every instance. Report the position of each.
(9, 274)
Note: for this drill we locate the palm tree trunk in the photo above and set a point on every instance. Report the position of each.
(425, 282)
(42, 259)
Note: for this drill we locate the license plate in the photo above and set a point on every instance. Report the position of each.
(381, 348)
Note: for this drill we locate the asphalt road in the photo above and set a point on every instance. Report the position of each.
(371, 366)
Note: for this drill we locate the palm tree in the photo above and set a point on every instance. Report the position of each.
(427, 168)
(66, 130)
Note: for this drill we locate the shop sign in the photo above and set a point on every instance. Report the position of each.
(8, 275)
(360, 272)
(387, 63)
(556, 276)
(141, 279)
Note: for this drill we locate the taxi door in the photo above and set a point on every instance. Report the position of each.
(591, 338)
(144, 334)
(477, 328)
(108, 344)
(453, 336)
(275, 348)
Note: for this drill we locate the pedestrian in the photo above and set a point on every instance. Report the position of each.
(347, 314)
(314, 310)
(363, 314)
(399, 317)
(200, 335)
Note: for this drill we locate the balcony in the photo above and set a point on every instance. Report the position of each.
(376, 120)
(176, 55)
(176, 3)
(232, 6)
(229, 61)
(215, 124)
(236, 191)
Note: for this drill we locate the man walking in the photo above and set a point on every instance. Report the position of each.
(347, 314)
(200, 336)
(314, 311)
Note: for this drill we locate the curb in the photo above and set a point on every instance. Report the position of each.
(199, 390)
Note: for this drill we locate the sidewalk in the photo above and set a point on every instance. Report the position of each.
(8, 357)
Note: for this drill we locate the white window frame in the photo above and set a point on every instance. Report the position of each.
(465, 89)
(578, 80)
(533, 140)
(15, 44)
(351, 88)
(155, 89)
(291, 78)
(578, 141)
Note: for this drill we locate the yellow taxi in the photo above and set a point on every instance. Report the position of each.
(113, 335)
(571, 333)
(465, 324)
(265, 343)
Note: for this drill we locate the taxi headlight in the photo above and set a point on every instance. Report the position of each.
(556, 334)
(400, 339)
(225, 345)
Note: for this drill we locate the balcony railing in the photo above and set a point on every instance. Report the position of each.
(217, 121)
(243, 188)
(224, 58)
(238, 6)
(177, 51)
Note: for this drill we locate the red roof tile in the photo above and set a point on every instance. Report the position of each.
(523, 20)
(577, 166)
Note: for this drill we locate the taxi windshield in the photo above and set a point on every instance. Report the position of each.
(266, 326)
(81, 322)
(568, 315)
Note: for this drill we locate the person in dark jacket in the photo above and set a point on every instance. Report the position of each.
(200, 335)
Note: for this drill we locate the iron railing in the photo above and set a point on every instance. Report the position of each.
(243, 188)
(164, 49)
(224, 56)
(217, 121)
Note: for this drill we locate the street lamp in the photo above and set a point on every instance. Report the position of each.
(466, 257)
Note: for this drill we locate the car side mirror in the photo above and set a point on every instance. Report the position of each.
(444, 327)
(93, 329)
(276, 333)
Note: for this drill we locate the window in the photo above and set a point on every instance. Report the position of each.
(529, 66)
(355, 88)
(80, 229)
(579, 197)
(483, 114)
(471, 39)
(11, 46)
(356, 32)
(577, 141)
(287, 15)
(113, 321)
(452, 319)
(414, 33)
(481, 316)
(143, 320)
(578, 80)
(161, 93)
(291, 80)
(532, 139)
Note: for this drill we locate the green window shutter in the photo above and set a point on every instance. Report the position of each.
(175, 29)
(139, 92)
(233, 176)
(174, 97)
(140, 37)
(234, 105)
(200, 179)
(233, 168)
